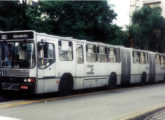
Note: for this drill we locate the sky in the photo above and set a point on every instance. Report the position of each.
(121, 7)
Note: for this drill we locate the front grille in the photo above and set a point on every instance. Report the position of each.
(10, 86)
(12, 79)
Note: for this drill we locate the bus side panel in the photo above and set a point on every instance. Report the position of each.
(79, 68)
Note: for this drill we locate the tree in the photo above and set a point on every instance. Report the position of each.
(148, 28)
(10, 18)
(79, 19)
(84, 20)
(121, 37)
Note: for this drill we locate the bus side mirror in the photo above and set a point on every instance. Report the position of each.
(46, 47)
(39, 46)
(59, 43)
(86, 48)
(70, 44)
(106, 50)
(94, 49)
(97, 49)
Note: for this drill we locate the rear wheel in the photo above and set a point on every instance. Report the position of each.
(66, 84)
(112, 83)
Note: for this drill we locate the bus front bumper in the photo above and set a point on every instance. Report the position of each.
(17, 86)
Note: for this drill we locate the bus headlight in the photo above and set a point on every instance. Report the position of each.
(25, 80)
(31, 80)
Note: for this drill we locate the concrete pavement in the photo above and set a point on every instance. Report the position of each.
(109, 105)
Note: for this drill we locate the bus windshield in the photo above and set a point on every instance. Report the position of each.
(17, 54)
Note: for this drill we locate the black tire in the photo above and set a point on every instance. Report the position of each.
(112, 82)
(144, 78)
(66, 84)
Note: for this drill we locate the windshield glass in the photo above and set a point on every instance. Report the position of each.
(17, 54)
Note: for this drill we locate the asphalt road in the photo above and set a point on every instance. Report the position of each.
(118, 104)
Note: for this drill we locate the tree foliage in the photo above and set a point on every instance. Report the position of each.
(9, 15)
(148, 29)
(84, 20)
(79, 19)
(121, 37)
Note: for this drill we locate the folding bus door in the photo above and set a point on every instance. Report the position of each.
(79, 79)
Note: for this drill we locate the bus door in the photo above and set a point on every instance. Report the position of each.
(79, 82)
(46, 67)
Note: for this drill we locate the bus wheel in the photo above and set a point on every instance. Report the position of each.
(143, 78)
(66, 84)
(112, 83)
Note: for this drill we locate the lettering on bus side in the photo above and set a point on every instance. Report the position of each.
(91, 68)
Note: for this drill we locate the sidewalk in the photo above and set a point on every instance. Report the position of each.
(155, 115)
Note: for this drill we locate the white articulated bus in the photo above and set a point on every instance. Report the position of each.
(43, 63)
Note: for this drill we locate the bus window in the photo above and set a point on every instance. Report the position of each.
(79, 50)
(91, 53)
(135, 57)
(45, 55)
(142, 60)
(118, 55)
(162, 60)
(158, 59)
(112, 55)
(65, 51)
(102, 57)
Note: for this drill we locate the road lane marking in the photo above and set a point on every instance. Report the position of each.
(19, 103)
(8, 118)
(143, 112)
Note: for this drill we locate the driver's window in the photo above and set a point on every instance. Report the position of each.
(46, 54)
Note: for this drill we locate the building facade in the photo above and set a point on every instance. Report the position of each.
(137, 4)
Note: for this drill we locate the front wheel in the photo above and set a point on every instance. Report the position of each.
(66, 84)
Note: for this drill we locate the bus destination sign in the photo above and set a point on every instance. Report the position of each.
(16, 35)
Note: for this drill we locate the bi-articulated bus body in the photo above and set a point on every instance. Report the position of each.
(43, 63)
